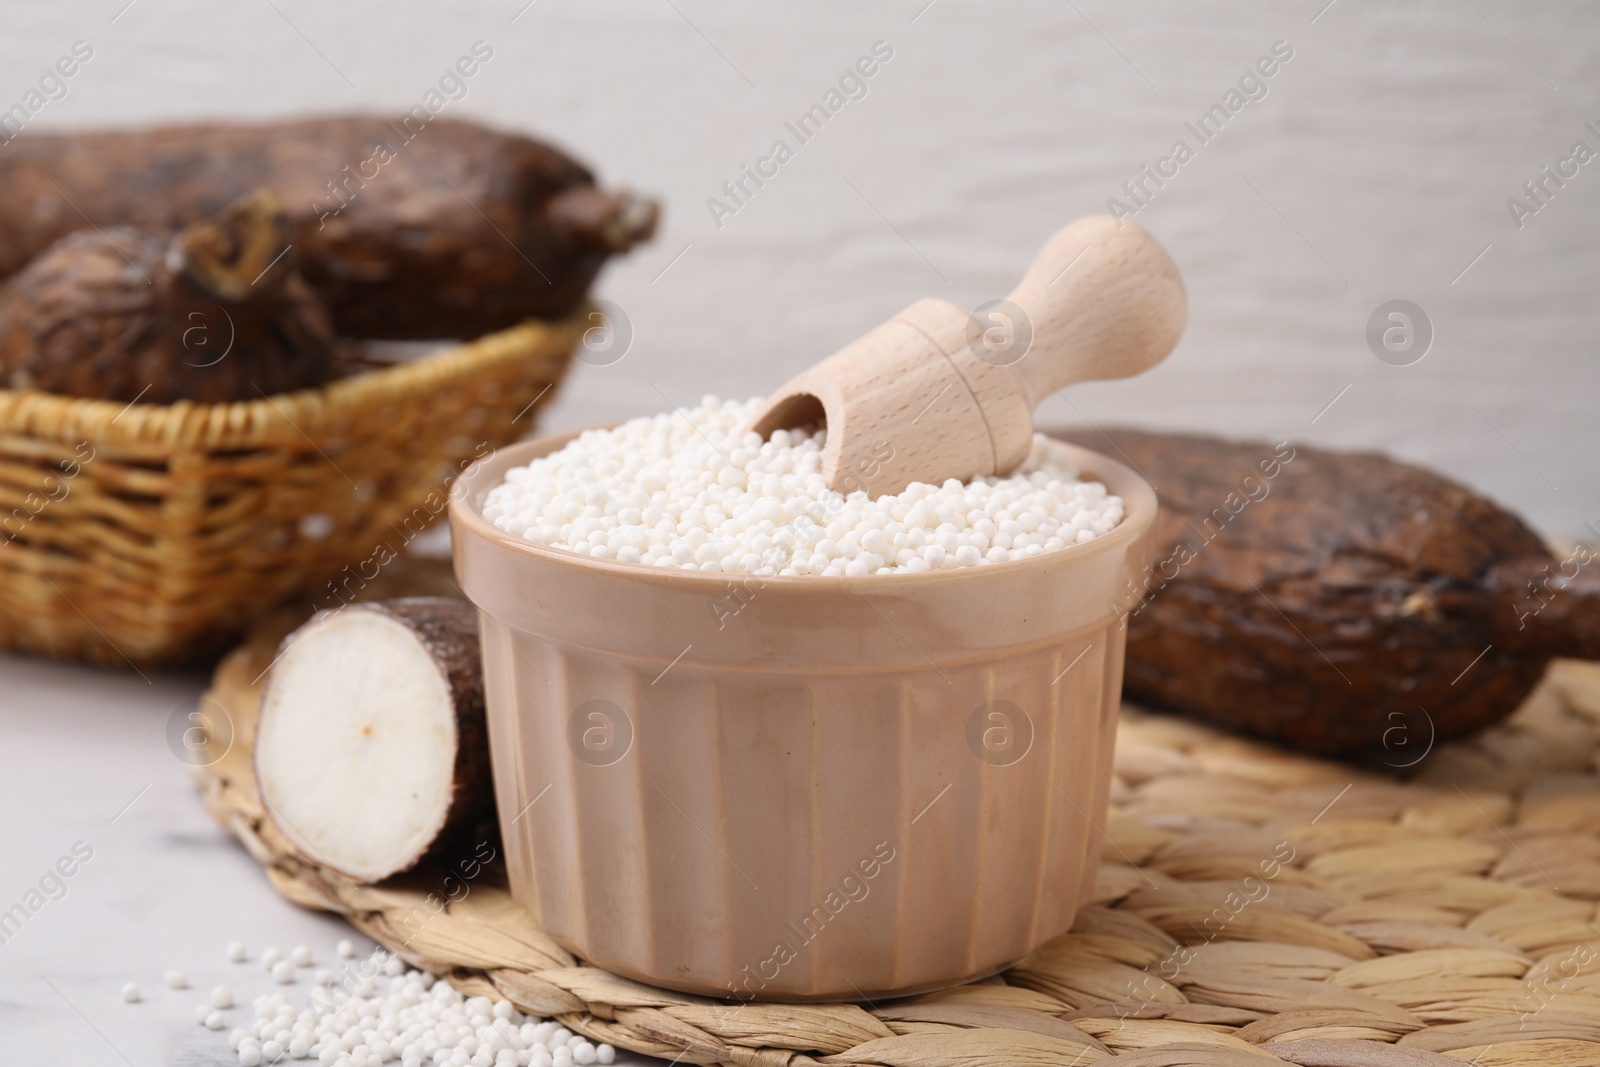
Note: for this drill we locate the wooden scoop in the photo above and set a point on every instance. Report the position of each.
(937, 393)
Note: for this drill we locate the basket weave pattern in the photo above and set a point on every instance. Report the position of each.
(1254, 907)
(153, 534)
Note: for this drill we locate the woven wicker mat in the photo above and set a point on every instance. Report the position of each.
(1254, 906)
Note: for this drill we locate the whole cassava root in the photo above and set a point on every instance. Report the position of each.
(1340, 603)
(407, 228)
(214, 313)
(371, 749)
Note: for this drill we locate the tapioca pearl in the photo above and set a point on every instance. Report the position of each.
(688, 461)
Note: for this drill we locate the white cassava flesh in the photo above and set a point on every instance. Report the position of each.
(365, 725)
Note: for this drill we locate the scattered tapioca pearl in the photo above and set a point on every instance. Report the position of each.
(270, 958)
(283, 972)
(215, 1021)
(130, 993)
(407, 1017)
(345, 949)
(300, 956)
(322, 977)
(690, 491)
(236, 952)
(222, 997)
(177, 980)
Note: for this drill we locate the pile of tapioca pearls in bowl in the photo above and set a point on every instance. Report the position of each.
(690, 490)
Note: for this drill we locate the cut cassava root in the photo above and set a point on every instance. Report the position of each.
(1341, 603)
(371, 747)
(406, 228)
(214, 313)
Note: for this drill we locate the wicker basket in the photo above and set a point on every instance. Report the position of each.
(150, 535)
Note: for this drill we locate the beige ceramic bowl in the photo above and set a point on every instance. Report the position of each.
(800, 788)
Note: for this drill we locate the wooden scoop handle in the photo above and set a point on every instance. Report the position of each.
(1104, 301)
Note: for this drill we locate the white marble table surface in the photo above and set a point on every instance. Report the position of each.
(84, 758)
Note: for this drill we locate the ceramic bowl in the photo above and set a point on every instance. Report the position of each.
(800, 788)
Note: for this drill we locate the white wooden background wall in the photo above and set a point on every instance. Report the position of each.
(1377, 166)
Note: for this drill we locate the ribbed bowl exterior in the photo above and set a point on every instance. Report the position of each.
(801, 788)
